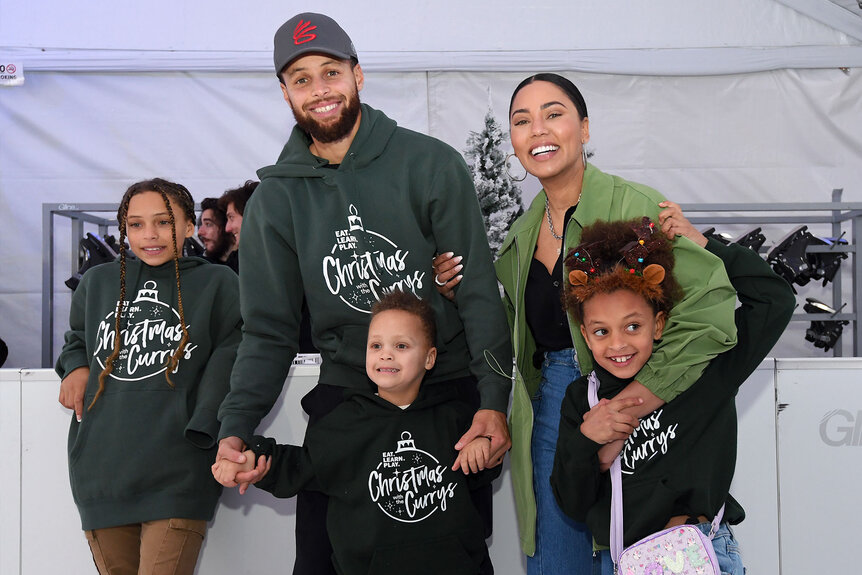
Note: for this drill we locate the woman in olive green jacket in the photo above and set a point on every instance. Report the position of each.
(549, 128)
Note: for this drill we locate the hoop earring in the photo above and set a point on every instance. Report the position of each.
(508, 173)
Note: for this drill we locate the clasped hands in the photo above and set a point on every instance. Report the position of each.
(482, 446)
(607, 424)
(236, 465)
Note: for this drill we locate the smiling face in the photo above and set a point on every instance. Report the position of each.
(323, 93)
(234, 222)
(547, 133)
(148, 228)
(398, 355)
(620, 328)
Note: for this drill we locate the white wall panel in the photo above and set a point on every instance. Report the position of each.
(819, 447)
(10, 478)
(816, 486)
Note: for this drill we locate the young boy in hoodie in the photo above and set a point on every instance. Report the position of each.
(395, 505)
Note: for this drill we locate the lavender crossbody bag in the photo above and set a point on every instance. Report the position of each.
(681, 550)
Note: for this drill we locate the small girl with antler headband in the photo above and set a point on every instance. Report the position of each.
(677, 462)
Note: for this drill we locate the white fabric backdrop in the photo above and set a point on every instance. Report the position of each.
(790, 135)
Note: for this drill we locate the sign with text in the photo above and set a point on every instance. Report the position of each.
(11, 73)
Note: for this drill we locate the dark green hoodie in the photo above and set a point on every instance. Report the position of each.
(144, 451)
(347, 236)
(395, 505)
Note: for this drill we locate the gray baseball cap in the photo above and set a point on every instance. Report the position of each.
(308, 33)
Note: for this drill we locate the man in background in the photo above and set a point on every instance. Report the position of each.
(219, 246)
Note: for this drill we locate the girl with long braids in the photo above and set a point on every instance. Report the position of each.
(145, 365)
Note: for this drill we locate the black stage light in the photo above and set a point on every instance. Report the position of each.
(791, 260)
(824, 265)
(92, 251)
(824, 333)
(788, 258)
(753, 239)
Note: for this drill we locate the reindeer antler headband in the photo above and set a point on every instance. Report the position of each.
(589, 275)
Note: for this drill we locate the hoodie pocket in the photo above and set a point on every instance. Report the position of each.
(133, 443)
(445, 555)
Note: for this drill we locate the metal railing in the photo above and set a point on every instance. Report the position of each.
(835, 213)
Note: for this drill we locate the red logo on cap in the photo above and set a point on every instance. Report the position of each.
(303, 33)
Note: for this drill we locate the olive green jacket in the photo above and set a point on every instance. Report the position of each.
(699, 327)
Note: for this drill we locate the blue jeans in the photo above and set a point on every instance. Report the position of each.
(562, 545)
(726, 549)
(724, 544)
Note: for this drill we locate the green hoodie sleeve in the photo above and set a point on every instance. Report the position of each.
(700, 326)
(226, 333)
(458, 227)
(271, 301)
(766, 306)
(74, 353)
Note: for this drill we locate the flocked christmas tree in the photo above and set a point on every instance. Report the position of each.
(499, 196)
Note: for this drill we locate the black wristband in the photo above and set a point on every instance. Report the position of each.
(261, 446)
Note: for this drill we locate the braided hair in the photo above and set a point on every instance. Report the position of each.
(182, 197)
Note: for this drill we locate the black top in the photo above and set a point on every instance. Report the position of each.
(545, 315)
(232, 260)
(543, 305)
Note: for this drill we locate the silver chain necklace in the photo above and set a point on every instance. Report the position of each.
(550, 222)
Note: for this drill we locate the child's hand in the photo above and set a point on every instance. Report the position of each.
(259, 471)
(72, 390)
(225, 471)
(474, 456)
(605, 422)
(673, 223)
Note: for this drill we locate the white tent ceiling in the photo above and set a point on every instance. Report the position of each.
(663, 37)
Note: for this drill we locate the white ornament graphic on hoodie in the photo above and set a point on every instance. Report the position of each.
(408, 484)
(363, 266)
(151, 331)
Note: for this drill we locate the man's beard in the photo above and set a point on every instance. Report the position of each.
(330, 132)
(221, 246)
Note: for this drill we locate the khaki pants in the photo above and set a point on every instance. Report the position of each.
(163, 547)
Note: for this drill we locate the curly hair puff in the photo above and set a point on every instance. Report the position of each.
(621, 255)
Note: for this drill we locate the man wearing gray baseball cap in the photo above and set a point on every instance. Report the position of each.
(355, 208)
